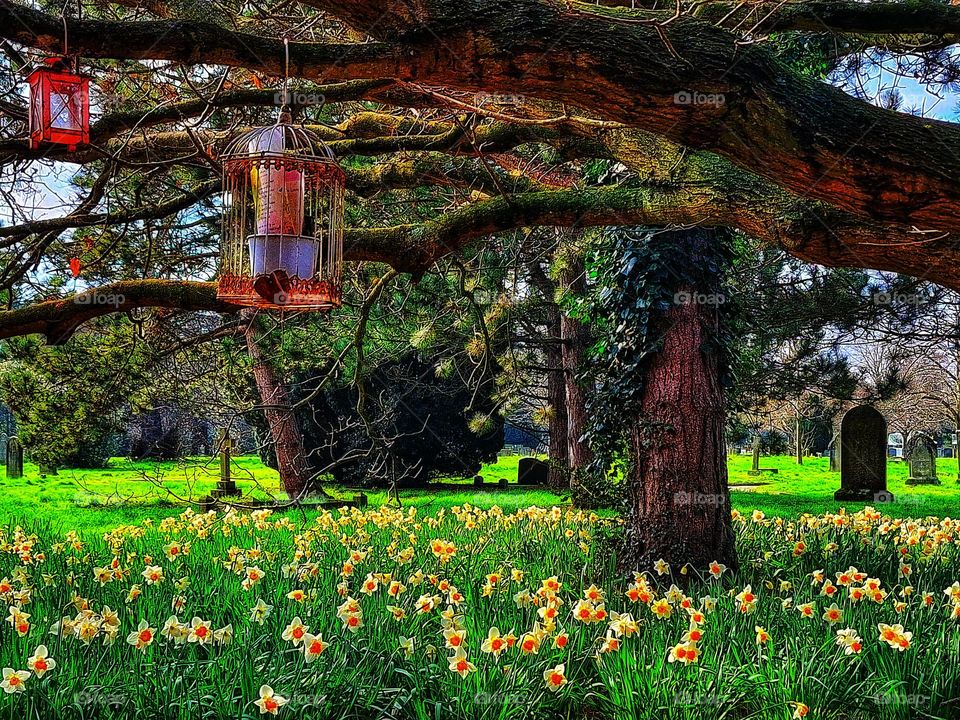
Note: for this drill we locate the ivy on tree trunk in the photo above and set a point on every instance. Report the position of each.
(679, 502)
(660, 388)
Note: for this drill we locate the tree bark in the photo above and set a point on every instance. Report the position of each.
(715, 191)
(284, 430)
(574, 335)
(557, 398)
(679, 503)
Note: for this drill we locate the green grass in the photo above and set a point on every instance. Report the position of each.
(92, 501)
(797, 489)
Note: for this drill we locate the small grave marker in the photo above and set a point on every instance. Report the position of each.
(922, 458)
(531, 471)
(14, 458)
(226, 486)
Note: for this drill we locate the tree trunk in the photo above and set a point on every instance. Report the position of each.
(679, 503)
(799, 440)
(575, 337)
(956, 393)
(557, 398)
(284, 431)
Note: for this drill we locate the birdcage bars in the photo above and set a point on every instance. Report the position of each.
(282, 239)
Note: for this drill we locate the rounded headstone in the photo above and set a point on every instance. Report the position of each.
(863, 456)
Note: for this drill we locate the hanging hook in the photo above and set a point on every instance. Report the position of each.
(63, 16)
(284, 116)
(286, 68)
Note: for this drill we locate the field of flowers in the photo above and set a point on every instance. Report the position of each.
(477, 614)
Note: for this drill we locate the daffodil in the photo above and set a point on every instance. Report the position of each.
(717, 569)
(40, 662)
(895, 636)
(14, 681)
(199, 631)
(260, 612)
(143, 636)
(459, 664)
(833, 614)
(223, 636)
(313, 646)
(295, 631)
(555, 677)
(153, 574)
(269, 701)
(494, 643)
(848, 639)
(686, 652)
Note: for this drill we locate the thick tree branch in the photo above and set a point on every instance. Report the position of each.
(113, 124)
(57, 320)
(921, 17)
(801, 134)
(83, 219)
(828, 237)
(414, 248)
(398, 173)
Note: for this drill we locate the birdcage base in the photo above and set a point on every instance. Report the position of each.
(289, 294)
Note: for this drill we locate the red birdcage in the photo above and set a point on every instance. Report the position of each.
(282, 240)
(59, 105)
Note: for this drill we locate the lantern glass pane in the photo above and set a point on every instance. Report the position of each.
(36, 113)
(65, 110)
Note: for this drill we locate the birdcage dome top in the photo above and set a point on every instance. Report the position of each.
(282, 139)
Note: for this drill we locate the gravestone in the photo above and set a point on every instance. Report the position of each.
(478, 480)
(755, 468)
(922, 458)
(531, 471)
(863, 456)
(46, 469)
(225, 486)
(14, 458)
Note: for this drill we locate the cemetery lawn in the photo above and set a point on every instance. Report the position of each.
(809, 488)
(92, 501)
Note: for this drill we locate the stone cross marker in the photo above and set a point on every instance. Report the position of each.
(755, 468)
(226, 485)
(922, 458)
(863, 456)
(14, 458)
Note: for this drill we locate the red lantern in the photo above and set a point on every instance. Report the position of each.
(59, 105)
